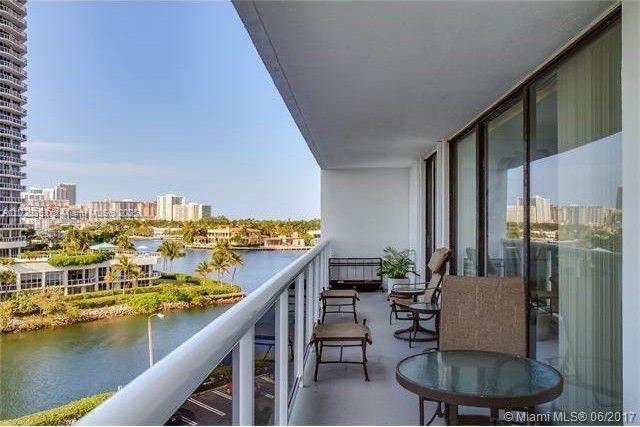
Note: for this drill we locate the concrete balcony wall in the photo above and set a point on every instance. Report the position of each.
(365, 210)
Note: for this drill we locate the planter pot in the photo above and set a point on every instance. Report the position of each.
(392, 282)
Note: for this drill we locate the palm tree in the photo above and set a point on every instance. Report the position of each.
(169, 250)
(124, 243)
(236, 260)
(203, 269)
(7, 278)
(110, 278)
(224, 256)
(220, 264)
(129, 269)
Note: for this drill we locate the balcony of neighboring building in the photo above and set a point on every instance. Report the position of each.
(15, 17)
(11, 55)
(15, 43)
(12, 29)
(14, 147)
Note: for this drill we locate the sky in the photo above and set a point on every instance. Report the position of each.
(137, 99)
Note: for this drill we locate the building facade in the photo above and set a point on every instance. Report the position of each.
(165, 206)
(65, 191)
(12, 125)
(196, 211)
(39, 275)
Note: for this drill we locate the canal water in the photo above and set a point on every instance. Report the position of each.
(47, 368)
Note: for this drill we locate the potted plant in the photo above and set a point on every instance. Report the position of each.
(396, 265)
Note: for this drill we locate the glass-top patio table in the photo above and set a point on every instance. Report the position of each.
(478, 378)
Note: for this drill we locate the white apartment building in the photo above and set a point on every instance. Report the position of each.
(12, 124)
(165, 206)
(39, 275)
(35, 194)
(196, 211)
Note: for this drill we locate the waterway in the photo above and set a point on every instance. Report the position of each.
(47, 368)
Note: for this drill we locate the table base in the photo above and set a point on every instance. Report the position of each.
(414, 334)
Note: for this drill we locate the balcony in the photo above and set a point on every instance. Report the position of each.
(8, 186)
(12, 29)
(13, 95)
(11, 55)
(385, 114)
(12, 108)
(17, 226)
(12, 16)
(13, 147)
(14, 42)
(7, 199)
(12, 174)
(12, 121)
(12, 133)
(12, 81)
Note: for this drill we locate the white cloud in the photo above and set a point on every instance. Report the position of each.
(42, 146)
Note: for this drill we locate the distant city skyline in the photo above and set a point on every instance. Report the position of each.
(125, 122)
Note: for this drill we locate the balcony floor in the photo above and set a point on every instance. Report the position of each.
(342, 397)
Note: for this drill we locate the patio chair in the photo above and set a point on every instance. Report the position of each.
(482, 313)
(341, 335)
(336, 299)
(438, 267)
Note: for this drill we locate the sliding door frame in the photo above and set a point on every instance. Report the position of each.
(521, 93)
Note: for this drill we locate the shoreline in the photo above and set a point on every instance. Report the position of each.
(239, 248)
(34, 323)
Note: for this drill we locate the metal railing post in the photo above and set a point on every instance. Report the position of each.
(310, 301)
(317, 287)
(282, 359)
(299, 342)
(244, 379)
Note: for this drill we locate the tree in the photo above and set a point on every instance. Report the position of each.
(76, 240)
(220, 264)
(124, 243)
(29, 234)
(7, 278)
(110, 278)
(130, 270)
(223, 258)
(191, 230)
(169, 250)
(203, 269)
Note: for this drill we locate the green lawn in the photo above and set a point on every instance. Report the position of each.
(62, 415)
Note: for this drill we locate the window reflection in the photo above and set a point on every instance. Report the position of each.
(575, 259)
(466, 178)
(505, 216)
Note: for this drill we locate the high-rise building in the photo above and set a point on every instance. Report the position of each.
(147, 210)
(12, 125)
(196, 211)
(65, 191)
(165, 206)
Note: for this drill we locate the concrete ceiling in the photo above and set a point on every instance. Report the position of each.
(374, 84)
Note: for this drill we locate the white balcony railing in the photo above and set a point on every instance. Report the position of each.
(13, 146)
(174, 378)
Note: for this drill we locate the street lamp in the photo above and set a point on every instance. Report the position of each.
(150, 335)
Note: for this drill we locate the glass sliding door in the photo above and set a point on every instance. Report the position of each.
(466, 225)
(504, 152)
(575, 256)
